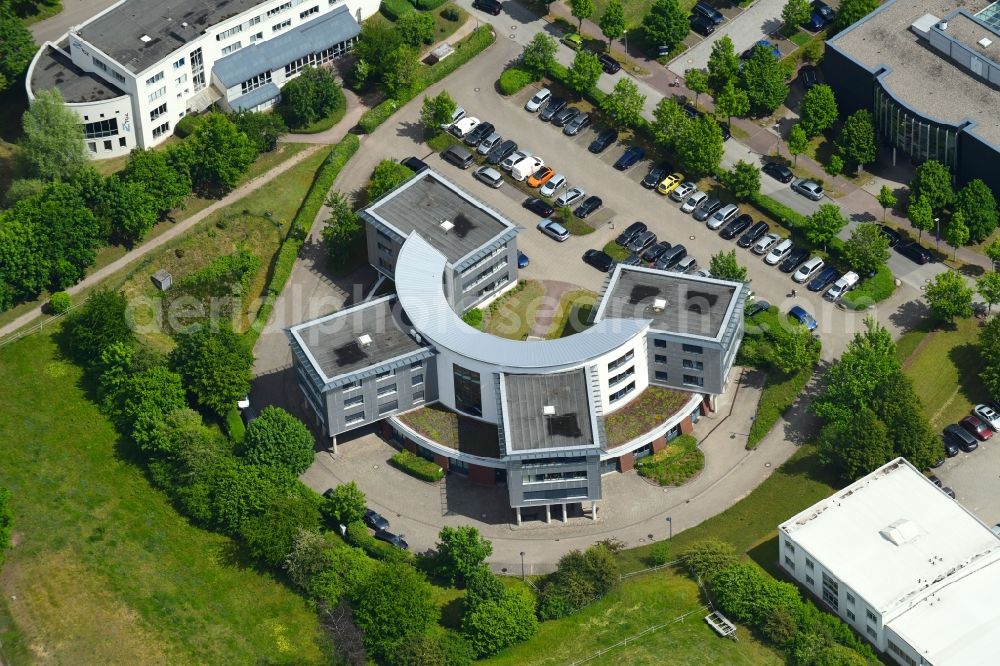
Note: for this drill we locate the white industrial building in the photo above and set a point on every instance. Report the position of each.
(909, 568)
(135, 69)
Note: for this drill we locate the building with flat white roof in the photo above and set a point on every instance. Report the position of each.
(906, 566)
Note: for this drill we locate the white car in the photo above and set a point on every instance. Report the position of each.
(989, 415)
(765, 243)
(537, 100)
(464, 126)
(556, 183)
(779, 252)
(570, 197)
(693, 201)
(513, 159)
(683, 191)
(808, 269)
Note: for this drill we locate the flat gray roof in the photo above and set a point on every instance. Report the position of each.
(55, 69)
(336, 346)
(118, 31)
(528, 428)
(427, 200)
(256, 97)
(675, 303)
(921, 77)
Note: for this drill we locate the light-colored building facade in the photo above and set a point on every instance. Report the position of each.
(132, 71)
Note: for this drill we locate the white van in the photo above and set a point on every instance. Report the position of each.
(464, 126)
(808, 269)
(778, 252)
(842, 286)
(526, 167)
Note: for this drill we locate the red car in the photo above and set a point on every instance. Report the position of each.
(978, 428)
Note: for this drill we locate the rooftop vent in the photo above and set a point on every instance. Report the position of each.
(548, 410)
(900, 532)
(184, 24)
(447, 225)
(984, 42)
(145, 39)
(943, 25)
(659, 304)
(365, 340)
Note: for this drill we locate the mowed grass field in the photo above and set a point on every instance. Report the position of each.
(104, 570)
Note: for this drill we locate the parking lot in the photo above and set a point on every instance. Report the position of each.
(974, 478)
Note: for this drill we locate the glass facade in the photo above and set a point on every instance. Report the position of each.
(468, 397)
(920, 139)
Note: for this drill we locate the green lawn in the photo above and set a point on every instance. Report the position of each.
(513, 314)
(573, 314)
(105, 570)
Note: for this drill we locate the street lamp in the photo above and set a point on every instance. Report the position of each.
(626, 47)
(670, 524)
(522, 566)
(937, 220)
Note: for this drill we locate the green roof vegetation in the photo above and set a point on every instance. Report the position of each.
(458, 432)
(654, 406)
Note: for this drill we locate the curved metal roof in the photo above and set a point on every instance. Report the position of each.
(420, 286)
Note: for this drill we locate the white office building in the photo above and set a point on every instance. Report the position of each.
(132, 71)
(909, 568)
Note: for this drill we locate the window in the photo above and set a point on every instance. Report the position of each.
(468, 397)
(121, 142)
(661, 376)
(418, 396)
(309, 12)
(154, 78)
(417, 380)
(355, 418)
(256, 37)
(659, 343)
(277, 27)
(809, 564)
(387, 265)
(350, 386)
(159, 131)
(100, 65)
(417, 365)
(898, 651)
(118, 77)
(693, 365)
(809, 579)
(871, 632)
(871, 616)
(158, 111)
(621, 393)
(622, 376)
(92, 146)
(179, 64)
(356, 400)
(101, 129)
(850, 597)
(321, 57)
(235, 46)
(693, 349)
(107, 144)
(691, 380)
(790, 546)
(388, 389)
(181, 79)
(850, 616)
(790, 563)
(620, 361)
(660, 358)
(280, 8)
(254, 21)
(197, 69)
(226, 34)
(382, 374)
(255, 82)
(158, 94)
(831, 591)
(388, 407)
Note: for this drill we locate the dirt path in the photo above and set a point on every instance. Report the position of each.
(548, 309)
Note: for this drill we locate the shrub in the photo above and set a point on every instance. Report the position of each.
(187, 125)
(394, 9)
(581, 577)
(59, 302)
(414, 465)
(474, 318)
(428, 5)
(708, 557)
(675, 464)
(276, 438)
(450, 14)
(514, 79)
(876, 288)
(659, 554)
(749, 595)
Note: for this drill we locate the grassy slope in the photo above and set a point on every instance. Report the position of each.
(105, 571)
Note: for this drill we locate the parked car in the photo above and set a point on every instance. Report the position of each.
(808, 188)
(489, 143)
(724, 128)
(753, 233)
(490, 176)
(501, 152)
(961, 438)
(756, 308)
(691, 111)
(630, 158)
(779, 252)
(702, 25)
(526, 167)
(456, 115)
(890, 233)
(552, 107)
(773, 48)
(825, 10)
(947, 490)
(683, 191)
(915, 252)
(988, 415)
(703, 8)
(603, 140)
(522, 260)
(808, 269)
(539, 207)
(722, 216)
(632, 260)
(462, 128)
(800, 315)
(480, 132)
(979, 429)
(609, 64)
(577, 123)
(541, 176)
(844, 284)
(375, 520)
(815, 23)
(570, 197)
(563, 117)
(824, 279)
(555, 183)
(936, 481)
(488, 6)
(599, 259)
(641, 242)
(795, 257)
(758, 240)
(656, 173)
(458, 156)
(590, 204)
(668, 259)
(573, 40)
(706, 208)
(553, 230)
(693, 201)
(630, 232)
(508, 162)
(808, 76)
(414, 164)
(654, 252)
(950, 447)
(537, 100)
(670, 183)
(686, 265)
(736, 226)
(393, 539)
(779, 172)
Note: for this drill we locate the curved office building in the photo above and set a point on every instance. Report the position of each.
(545, 417)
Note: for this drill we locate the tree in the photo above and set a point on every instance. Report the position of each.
(957, 233)
(744, 592)
(270, 536)
(387, 176)
(624, 104)
(979, 207)
(581, 10)
(949, 297)
(824, 224)
(394, 602)
(819, 107)
(988, 286)
(732, 101)
(795, 13)
(216, 364)
(343, 234)
(857, 138)
(98, 324)
(834, 166)
(763, 81)
(400, 71)
(725, 267)
(723, 63)
(921, 215)
(898, 406)
(743, 180)
(852, 11)
(798, 141)
(539, 54)
(148, 399)
(346, 568)
(263, 129)
(669, 123)
(278, 439)
(993, 252)
(437, 111)
(932, 183)
(492, 625)
(415, 28)
(345, 504)
(223, 155)
(17, 47)
(52, 146)
(700, 147)
(856, 446)
(989, 355)
(696, 81)
(377, 40)
(6, 521)
(240, 491)
(131, 210)
(165, 183)
(584, 72)
(867, 248)
(793, 349)
(312, 95)
(665, 24)
(460, 551)
(886, 199)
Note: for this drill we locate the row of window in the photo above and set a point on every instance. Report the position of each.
(158, 111)
(280, 8)
(255, 82)
(898, 651)
(622, 376)
(497, 250)
(493, 286)
(555, 476)
(226, 34)
(320, 58)
(621, 360)
(153, 96)
(92, 145)
(154, 78)
(235, 46)
(278, 27)
(161, 130)
(688, 363)
(101, 128)
(621, 393)
(493, 270)
(383, 409)
(416, 366)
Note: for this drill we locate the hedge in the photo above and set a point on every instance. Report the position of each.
(793, 220)
(416, 466)
(393, 9)
(874, 289)
(514, 79)
(357, 534)
(428, 5)
(780, 391)
(301, 225)
(465, 51)
(234, 425)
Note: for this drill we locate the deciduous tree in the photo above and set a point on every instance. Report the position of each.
(264, 129)
(17, 47)
(343, 234)
(394, 602)
(669, 123)
(988, 286)
(700, 147)
(763, 81)
(584, 72)
(743, 180)
(798, 141)
(979, 207)
(276, 438)
(723, 63)
(387, 176)
(857, 138)
(696, 81)
(834, 166)
(932, 183)
(437, 111)
(665, 24)
(989, 355)
(270, 536)
(416, 28)
(581, 11)
(400, 69)
(164, 182)
(223, 155)
(130, 209)
(856, 446)
(949, 297)
(921, 215)
(725, 267)
(99, 323)
(51, 147)
(852, 11)
(957, 233)
(460, 551)
(795, 13)
(624, 104)
(612, 21)
(886, 199)
(492, 625)
(825, 224)
(216, 365)
(345, 504)
(867, 248)
(819, 108)
(732, 101)
(539, 54)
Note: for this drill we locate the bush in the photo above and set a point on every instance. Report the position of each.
(414, 465)
(675, 464)
(59, 302)
(780, 391)
(358, 535)
(747, 594)
(514, 79)
(474, 318)
(187, 125)
(874, 289)
(450, 14)
(792, 220)
(580, 578)
(428, 5)
(708, 557)
(393, 9)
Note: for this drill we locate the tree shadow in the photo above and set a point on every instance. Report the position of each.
(912, 315)
(863, 217)
(452, 612)
(801, 425)
(411, 130)
(966, 358)
(765, 554)
(971, 270)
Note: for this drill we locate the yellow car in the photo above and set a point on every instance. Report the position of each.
(668, 184)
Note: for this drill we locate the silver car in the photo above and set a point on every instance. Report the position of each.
(683, 191)
(513, 159)
(808, 188)
(487, 144)
(490, 176)
(553, 185)
(540, 97)
(553, 230)
(570, 197)
(693, 201)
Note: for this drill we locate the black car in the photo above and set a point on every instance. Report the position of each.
(375, 520)
(668, 259)
(501, 152)
(961, 438)
(797, 256)
(826, 277)
(578, 122)
(947, 490)
(890, 233)
(562, 118)
(702, 25)
(703, 8)
(641, 242)
(600, 260)
(691, 111)
(589, 205)
(629, 158)
(756, 308)
(656, 174)
(736, 227)
(915, 252)
(950, 448)
(753, 233)
(935, 480)
(539, 207)
(726, 134)
(631, 232)
(476, 136)
(488, 6)
(552, 107)
(391, 538)
(808, 76)
(824, 10)
(779, 172)
(414, 164)
(654, 252)
(609, 64)
(603, 140)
